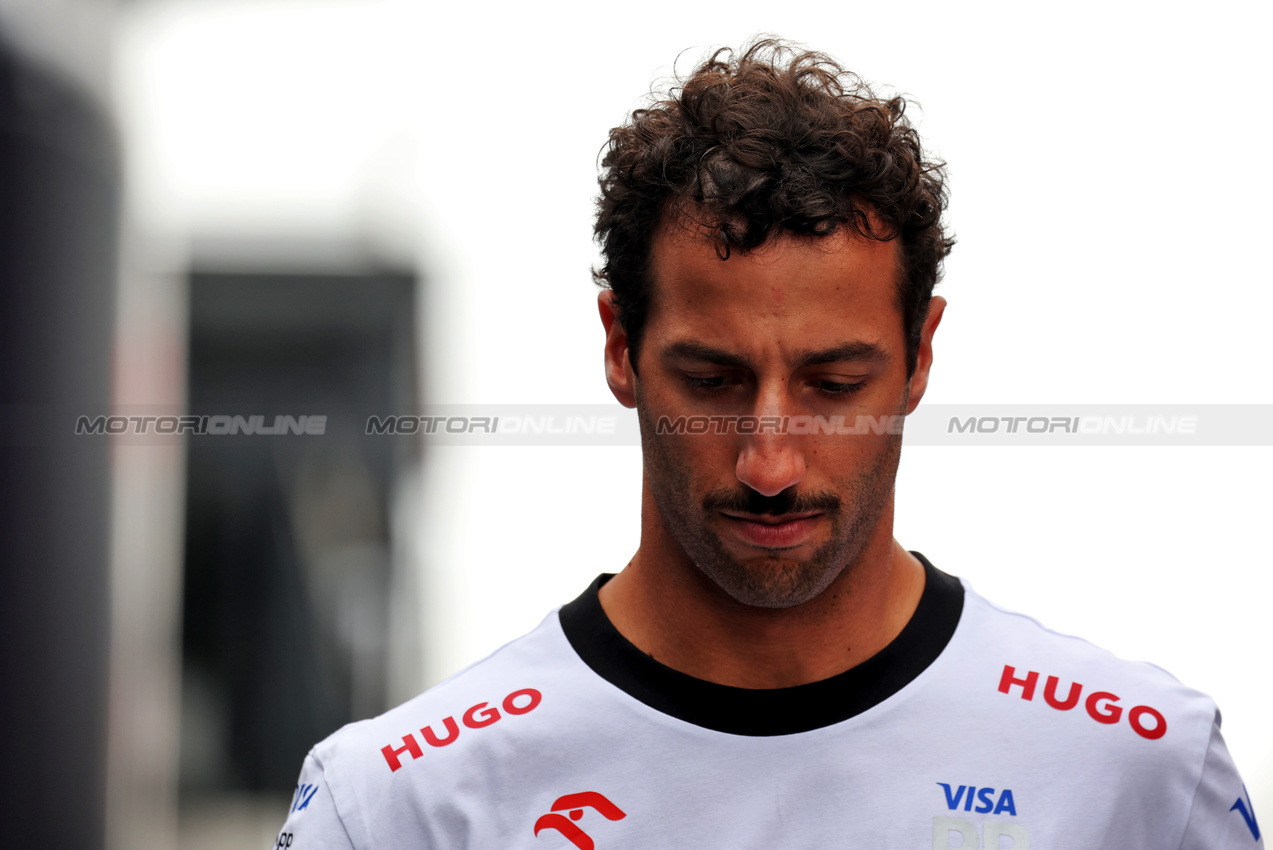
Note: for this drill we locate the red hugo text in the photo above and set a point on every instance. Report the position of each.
(1101, 705)
(477, 717)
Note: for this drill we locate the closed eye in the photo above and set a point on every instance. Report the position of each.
(713, 383)
(839, 389)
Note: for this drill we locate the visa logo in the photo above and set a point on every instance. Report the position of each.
(980, 800)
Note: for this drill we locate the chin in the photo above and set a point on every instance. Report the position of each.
(771, 583)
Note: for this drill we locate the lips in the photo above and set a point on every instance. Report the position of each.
(781, 532)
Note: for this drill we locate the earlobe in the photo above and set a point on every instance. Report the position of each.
(619, 373)
(924, 361)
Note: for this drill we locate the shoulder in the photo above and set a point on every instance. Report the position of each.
(376, 768)
(1099, 727)
(507, 683)
(1035, 663)
(1049, 690)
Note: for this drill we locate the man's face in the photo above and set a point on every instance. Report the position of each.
(802, 327)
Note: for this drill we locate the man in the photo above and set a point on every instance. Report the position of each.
(772, 669)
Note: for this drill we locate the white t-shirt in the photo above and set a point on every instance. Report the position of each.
(975, 728)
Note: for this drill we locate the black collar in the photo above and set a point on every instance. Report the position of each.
(776, 711)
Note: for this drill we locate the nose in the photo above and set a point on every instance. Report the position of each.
(770, 461)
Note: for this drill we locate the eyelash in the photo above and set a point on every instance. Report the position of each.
(841, 388)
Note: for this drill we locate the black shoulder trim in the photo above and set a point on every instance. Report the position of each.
(776, 711)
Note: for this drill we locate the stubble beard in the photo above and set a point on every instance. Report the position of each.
(853, 510)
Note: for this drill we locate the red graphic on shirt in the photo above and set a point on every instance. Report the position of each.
(574, 804)
(1101, 706)
(477, 717)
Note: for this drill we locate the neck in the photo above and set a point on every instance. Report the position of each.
(670, 610)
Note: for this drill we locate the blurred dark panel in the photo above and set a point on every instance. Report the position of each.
(59, 196)
(287, 566)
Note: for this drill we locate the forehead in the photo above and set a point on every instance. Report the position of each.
(793, 285)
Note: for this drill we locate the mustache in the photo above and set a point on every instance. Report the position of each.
(789, 501)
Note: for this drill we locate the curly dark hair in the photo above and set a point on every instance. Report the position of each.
(774, 139)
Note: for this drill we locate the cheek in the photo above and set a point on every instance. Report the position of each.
(693, 464)
(836, 449)
(704, 458)
(845, 456)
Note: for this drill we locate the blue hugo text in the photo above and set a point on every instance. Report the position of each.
(970, 798)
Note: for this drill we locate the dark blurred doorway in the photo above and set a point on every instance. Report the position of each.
(288, 556)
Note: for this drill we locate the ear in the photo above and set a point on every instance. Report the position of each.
(619, 374)
(924, 362)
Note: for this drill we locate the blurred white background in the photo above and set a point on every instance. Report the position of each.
(1108, 193)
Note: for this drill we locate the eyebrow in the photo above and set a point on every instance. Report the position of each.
(850, 352)
(853, 352)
